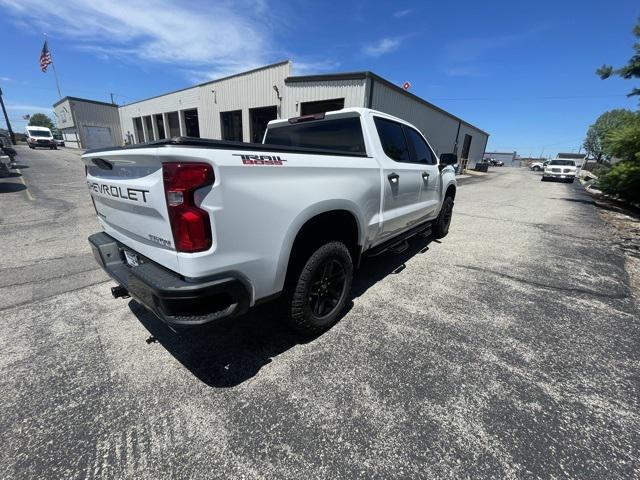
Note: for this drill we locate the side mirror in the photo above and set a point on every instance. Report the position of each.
(448, 159)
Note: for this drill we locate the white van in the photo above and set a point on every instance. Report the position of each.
(40, 137)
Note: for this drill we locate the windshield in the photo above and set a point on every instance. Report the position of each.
(39, 133)
(563, 162)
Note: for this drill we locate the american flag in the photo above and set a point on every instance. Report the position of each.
(45, 57)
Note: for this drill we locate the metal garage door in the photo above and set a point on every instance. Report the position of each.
(96, 137)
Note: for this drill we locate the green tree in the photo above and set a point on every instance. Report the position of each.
(594, 144)
(40, 120)
(622, 180)
(623, 142)
(631, 69)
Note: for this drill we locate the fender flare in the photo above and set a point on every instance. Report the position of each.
(302, 218)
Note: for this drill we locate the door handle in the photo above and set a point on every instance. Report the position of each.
(425, 175)
(393, 177)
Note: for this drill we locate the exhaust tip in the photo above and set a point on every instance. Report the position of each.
(119, 292)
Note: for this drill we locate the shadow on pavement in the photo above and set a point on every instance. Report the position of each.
(11, 187)
(233, 350)
(586, 201)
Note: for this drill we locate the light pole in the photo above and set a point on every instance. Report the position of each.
(6, 117)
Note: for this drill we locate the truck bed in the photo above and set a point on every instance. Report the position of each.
(226, 145)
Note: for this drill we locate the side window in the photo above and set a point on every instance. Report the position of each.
(420, 151)
(392, 139)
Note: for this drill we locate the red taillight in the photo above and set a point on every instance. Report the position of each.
(190, 224)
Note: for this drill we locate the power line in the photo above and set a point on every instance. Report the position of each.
(550, 97)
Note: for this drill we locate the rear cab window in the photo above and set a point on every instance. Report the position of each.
(338, 134)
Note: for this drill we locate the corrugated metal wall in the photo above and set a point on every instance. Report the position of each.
(171, 102)
(250, 90)
(242, 92)
(62, 111)
(478, 143)
(353, 92)
(438, 127)
(88, 114)
(73, 116)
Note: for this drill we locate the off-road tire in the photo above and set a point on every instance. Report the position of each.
(301, 317)
(441, 225)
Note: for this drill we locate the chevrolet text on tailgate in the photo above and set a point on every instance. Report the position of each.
(197, 230)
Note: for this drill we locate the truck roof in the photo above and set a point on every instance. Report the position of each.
(35, 127)
(347, 112)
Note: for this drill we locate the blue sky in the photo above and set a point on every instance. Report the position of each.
(523, 71)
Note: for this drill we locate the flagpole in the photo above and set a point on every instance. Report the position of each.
(53, 65)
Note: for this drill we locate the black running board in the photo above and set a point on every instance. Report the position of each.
(399, 244)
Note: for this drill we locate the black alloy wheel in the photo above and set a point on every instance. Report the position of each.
(321, 290)
(326, 288)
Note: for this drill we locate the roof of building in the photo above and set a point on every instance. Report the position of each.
(368, 74)
(571, 155)
(208, 82)
(302, 78)
(500, 153)
(86, 100)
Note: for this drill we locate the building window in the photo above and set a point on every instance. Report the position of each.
(231, 125)
(466, 146)
(259, 117)
(149, 125)
(160, 125)
(191, 125)
(137, 123)
(174, 124)
(321, 106)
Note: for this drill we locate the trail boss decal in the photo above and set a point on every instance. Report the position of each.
(133, 194)
(260, 159)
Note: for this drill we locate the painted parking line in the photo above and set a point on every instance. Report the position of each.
(26, 188)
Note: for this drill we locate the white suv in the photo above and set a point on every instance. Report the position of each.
(564, 170)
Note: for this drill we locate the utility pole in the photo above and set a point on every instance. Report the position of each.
(6, 117)
(112, 102)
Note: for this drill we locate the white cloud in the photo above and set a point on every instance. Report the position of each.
(402, 13)
(464, 71)
(28, 108)
(220, 37)
(382, 46)
(309, 67)
(219, 71)
(465, 55)
(6, 79)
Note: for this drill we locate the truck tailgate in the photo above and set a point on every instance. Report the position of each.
(128, 192)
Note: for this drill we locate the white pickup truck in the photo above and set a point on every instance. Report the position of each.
(197, 230)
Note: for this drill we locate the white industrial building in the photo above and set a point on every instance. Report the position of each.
(87, 123)
(240, 106)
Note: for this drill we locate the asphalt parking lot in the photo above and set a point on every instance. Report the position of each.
(509, 349)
